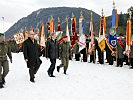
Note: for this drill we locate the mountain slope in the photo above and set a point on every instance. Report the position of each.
(42, 15)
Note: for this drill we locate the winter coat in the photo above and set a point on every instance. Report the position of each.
(31, 52)
(4, 51)
(120, 50)
(65, 50)
(52, 49)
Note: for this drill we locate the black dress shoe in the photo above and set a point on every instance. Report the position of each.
(52, 76)
(32, 80)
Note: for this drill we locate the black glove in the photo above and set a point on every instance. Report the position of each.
(11, 60)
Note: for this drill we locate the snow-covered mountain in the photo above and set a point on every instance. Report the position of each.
(85, 81)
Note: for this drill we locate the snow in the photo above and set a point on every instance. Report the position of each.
(85, 81)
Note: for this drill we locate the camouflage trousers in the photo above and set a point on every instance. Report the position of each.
(64, 63)
(4, 69)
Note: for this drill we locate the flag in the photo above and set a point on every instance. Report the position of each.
(128, 35)
(19, 38)
(101, 40)
(113, 25)
(114, 19)
(25, 35)
(91, 44)
(51, 26)
(67, 30)
(82, 38)
(42, 38)
(48, 29)
(112, 39)
(59, 27)
(59, 31)
(74, 34)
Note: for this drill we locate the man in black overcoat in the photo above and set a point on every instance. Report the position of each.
(32, 53)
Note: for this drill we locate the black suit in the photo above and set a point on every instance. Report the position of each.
(52, 52)
(32, 53)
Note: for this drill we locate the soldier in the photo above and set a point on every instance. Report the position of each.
(32, 53)
(52, 53)
(65, 53)
(4, 65)
(120, 50)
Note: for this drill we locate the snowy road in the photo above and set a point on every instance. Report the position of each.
(84, 81)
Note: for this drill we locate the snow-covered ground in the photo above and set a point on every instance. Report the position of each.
(85, 81)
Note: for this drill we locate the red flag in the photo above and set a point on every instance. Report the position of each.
(59, 27)
(74, 36)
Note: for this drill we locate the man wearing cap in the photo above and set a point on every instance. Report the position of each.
(65, 53)
(52, 50)
(4, 65)
(32, 53)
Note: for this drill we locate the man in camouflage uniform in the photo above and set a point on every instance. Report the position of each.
(64, 53)
(4, 65)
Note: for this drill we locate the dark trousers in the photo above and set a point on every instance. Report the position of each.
(32, 72)
(92, 59)
(131, 61)
(119, 62)
(52, 66)
(77, 56)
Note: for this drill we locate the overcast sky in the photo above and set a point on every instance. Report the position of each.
(13, 10)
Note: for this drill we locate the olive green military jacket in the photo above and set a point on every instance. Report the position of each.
(5, 51)
(65, 50)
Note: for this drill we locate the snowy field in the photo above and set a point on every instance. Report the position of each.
(85, 81)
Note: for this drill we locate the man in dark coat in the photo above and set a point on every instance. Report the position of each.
(52, 50)
(120, 50)
(31, 53)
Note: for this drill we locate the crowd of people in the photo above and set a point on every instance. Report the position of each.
(32, 52)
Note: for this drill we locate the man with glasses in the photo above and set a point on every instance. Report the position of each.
(32, 53)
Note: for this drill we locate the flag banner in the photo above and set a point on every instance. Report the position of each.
(82, 38)
(128, 33)
(101, 40)
(67, 30)
(25, 35)
(113, 38)
(59, 27)
(91, 44)
(73, 25)
(19, 38)
(114, 19)
(42, 38)
(74, 34)
(82, 42)
(51, 26)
